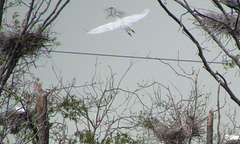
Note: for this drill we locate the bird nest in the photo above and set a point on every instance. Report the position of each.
(18, 46)
(173, 132)
(170, 135)
(220, 24)
(16, 119)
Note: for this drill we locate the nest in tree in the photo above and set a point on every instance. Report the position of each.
(220, 24)
(18, 46)
(233, 142)
(173, 132)
(170, 135)
(15, 119)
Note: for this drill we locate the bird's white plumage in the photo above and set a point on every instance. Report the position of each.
(105, 28)
(20, 109)
(136, 17)
(232, 137)
(123, 23)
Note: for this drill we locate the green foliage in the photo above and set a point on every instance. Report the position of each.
(85, 136)
(148, 125)
(10, 4)
(120, 138)
(230, 63)
(1, 60)
(20, 45)
(15, 15)
(72, 141)
(72, 108)
(2, 135)
(16, 98)
(2, 120)
(16, 22)
(58, 43)
(30, 136)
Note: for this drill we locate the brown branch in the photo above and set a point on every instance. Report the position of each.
(232, 32)
(200, 52)
(219, 6)
(219, 115)
(2, 2)
(53, 16)
(35, 19)
(28, 17)
(210, 128)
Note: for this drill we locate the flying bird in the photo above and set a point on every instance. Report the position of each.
(121, 23)
(234, 4)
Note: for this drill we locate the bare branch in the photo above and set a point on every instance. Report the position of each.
(200, 52)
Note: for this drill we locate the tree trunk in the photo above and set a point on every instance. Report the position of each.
(210, 128)
(1, 10)
(43, 123)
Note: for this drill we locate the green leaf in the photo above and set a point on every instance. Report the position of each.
(10, 4)
(16, 23)
(15, 15)
(17, 98)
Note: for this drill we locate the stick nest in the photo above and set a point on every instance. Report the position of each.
(174, 132)
(16, 120)
(220, 24)
(19, 46)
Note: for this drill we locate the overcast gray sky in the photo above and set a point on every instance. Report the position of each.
(157, 35)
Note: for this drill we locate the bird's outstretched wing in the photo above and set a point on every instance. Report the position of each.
(105, 28)
(124, 22)
(136, 17)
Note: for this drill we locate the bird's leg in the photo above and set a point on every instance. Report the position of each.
(129, 30)
(132, 30)
(128, 33)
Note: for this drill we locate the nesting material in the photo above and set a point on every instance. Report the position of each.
(174, 132)
(16, 118)
(22, 45)
(170, 135)
(220, 24)
(232, 139)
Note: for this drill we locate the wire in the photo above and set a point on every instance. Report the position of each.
(133, 57)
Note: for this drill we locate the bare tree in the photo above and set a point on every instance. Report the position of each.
(22, 40)
(99, 109)
(220, 28)
(172, 118)
(210, 128)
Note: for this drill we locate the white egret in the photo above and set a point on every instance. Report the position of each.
(20, 109)
(123, 23)
(234, 4)
(232, 137)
